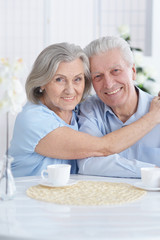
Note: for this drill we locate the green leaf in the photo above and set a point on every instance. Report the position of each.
(151, 79)
(139, 70)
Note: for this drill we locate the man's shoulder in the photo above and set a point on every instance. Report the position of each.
(146, 97)
(92, 101)
(92, 107)
(144, 93)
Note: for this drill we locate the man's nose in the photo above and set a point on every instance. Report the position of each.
(108, 81)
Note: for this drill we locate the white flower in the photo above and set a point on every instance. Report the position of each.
(124, 31)
(152, 87)
(140, 78)
(11, 91)
(138, 58)
(149, 71)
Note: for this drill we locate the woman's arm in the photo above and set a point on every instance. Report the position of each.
(66, 143)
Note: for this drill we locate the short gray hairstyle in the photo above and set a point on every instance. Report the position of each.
(104, 44)
(46, 65)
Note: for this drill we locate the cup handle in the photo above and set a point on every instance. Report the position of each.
(42, 174)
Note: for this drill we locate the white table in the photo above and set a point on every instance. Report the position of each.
(26, 218)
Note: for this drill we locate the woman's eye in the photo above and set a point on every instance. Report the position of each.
(59, 79)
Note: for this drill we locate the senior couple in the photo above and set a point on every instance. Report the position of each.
(112, 133)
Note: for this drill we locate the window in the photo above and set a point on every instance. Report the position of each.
(137, 14)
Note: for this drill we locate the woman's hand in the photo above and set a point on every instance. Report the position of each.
(155, 108)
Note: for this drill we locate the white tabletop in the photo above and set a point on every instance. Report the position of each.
(26, 218)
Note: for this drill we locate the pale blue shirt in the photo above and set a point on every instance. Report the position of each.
(31, 125)
(98, 119)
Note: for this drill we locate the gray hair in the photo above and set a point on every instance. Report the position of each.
(46, 65)
(104, 44)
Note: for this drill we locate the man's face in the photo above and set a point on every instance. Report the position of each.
(112, 78)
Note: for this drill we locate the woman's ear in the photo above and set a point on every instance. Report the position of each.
(42, 88)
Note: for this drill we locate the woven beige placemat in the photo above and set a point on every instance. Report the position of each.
(87, 193)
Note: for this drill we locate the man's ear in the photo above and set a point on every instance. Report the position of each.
(134, 72)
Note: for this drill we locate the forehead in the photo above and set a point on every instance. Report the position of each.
(70, 67)
(107, 60)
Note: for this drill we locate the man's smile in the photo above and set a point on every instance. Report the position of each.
(113, 92)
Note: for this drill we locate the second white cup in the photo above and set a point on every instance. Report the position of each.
(151, 177)
(58, 174)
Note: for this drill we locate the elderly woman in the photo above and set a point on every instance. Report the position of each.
(46, 131)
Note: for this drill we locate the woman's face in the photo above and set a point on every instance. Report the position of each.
(66, 88)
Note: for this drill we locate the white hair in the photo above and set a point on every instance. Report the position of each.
(46, 65)
(104, 44)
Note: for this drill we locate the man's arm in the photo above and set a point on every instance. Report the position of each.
(112, 166)
(109, 166)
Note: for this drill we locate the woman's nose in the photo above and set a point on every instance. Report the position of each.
(69, 88)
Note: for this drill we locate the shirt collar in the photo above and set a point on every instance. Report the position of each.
(143, 105)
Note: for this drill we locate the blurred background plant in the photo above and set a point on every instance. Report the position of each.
(146, 74)
(12, 94)
(12, 97)
(11, 91)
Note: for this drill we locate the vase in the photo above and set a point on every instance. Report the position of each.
(7, 183)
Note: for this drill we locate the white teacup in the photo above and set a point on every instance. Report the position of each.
(58, 174)
(151, 177)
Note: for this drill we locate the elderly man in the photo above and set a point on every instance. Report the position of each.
(116, 104)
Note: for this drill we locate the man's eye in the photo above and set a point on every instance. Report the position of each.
(116, 71)
(97, 77)
(78, 79)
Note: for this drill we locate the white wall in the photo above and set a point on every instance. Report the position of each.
(155, 59)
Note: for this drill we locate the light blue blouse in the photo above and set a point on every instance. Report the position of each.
(32, 124)
(98, 119)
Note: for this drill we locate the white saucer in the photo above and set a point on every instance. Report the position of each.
(140, 185)
(48, 184)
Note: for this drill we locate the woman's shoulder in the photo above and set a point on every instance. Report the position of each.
(34, 110)
(34, 114)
